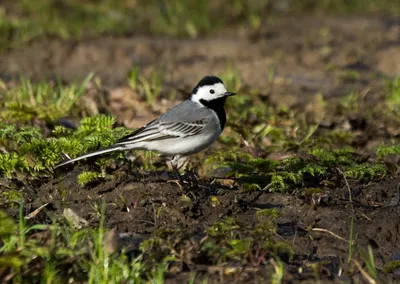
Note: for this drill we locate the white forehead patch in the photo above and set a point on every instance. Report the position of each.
(205, 92)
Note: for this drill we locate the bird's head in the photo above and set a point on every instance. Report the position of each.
(210, 88)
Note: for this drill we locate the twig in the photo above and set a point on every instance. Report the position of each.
(364, 273)
(329, 232)
(37, 211)
(252, 151)
(348, 188)
(268, 186)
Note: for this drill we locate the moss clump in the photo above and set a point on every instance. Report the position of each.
(11, 163)
(366, 171)
(7, 225)
(383, 151)
(87, 177)
(13, 197)
(34, 154)
(391, 265)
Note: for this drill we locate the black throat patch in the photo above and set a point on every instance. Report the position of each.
(217, 105)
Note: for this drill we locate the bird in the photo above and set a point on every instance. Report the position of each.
(186, 129)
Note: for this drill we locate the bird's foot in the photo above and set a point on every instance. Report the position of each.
(184, 184)
(178, 182)
(192, 177)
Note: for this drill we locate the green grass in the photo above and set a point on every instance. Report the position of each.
(44, 101)
(97, 261)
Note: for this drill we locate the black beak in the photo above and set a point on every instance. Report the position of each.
(229, 94)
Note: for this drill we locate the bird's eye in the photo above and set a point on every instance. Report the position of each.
(212, 91)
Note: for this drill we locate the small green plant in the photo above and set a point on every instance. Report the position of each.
(232, 79)
(47, 101)
(370, 263)
(277, 276)
(393, 98)
(150, 88)
(352, 242)
(230, 240)
(133, 77)
(350, 75)
(350, 102)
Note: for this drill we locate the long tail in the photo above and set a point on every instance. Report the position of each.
(112, 149)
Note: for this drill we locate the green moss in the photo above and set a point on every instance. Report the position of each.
(13, 197)
(37, 155)
(383, 151)
(7, 225)
(281, 181)
(248, 187)
(391, 265)
(88, 177)
(366, 171)
(333, 158)
(11, 163)
(312, 191)
(267, 213)
(350, 102)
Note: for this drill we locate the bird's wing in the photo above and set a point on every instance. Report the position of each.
(163, 130)
(181, 121)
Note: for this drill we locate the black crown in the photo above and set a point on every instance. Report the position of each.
(207, 81)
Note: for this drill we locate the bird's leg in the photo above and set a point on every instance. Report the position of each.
(174, 163)
(178, 175)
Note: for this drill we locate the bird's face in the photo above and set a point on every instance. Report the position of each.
(210, 88)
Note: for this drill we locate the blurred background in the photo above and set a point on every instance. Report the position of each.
(23, 21)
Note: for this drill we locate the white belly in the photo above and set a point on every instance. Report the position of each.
(179, 146)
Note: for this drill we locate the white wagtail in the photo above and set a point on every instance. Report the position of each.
(186, 129)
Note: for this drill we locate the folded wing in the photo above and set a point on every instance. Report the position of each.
(160, 130)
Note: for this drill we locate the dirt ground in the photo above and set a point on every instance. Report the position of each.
(308, 55)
